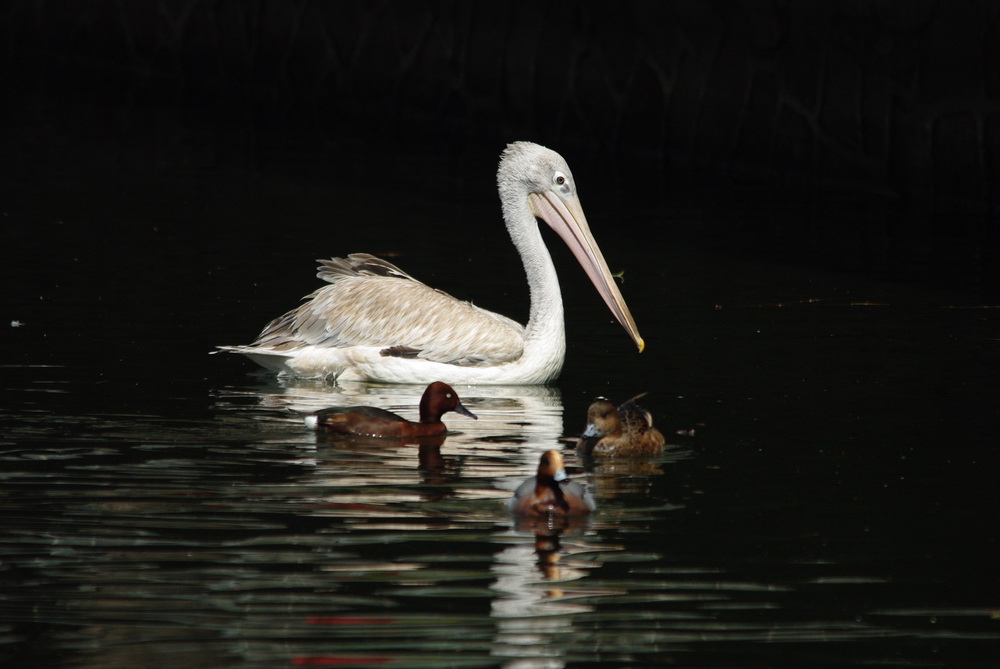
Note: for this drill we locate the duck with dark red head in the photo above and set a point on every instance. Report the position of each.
(438, 399)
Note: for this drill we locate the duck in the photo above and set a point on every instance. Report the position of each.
(438, 399)
(626, 430)
(550, 492)
(374, 322)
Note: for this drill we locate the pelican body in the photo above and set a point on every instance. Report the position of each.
(550, 492)
(626, 430)
(437, 400)
(375, 322)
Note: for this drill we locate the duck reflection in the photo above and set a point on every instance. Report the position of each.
(536, 573)
(549, 553)
(539, 585)
(621, 477)
(436, 470)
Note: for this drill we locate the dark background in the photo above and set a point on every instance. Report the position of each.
(876, 125)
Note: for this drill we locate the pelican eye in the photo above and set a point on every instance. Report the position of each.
(561, 181)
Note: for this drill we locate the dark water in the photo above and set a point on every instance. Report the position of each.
(828, 498)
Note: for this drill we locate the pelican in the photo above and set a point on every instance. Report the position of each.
(375, 322)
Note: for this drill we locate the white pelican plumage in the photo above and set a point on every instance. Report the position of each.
(374, 322)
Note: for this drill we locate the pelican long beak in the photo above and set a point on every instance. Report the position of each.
(567, 219)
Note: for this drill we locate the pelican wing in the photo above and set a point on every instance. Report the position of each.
(371, 302)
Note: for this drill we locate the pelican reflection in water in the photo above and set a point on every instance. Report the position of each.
(374, 322)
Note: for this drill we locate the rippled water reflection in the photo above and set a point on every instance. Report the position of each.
(247, 540)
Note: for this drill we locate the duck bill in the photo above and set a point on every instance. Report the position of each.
(465, 412)
(567, 219)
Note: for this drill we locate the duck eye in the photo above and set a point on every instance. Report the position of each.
(448, 395)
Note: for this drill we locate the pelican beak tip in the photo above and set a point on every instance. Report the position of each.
(641, 344)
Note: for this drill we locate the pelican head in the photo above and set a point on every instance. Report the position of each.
(539, 178)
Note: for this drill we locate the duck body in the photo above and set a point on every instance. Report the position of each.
(375, 322)
(626, 430)
(550, 492)
(438, 398)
